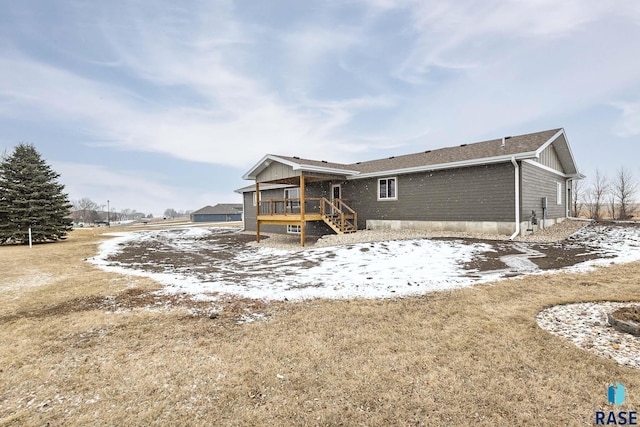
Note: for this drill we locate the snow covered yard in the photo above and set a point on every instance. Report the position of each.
(204, 262)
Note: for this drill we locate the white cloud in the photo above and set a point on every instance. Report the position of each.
(310, 45)
(629, 123)
(133, 189)
(468, 34)
(201, 83)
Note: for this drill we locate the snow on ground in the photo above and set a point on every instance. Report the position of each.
(194, 261)
(616, 243)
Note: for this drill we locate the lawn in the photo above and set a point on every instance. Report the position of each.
(84, 346)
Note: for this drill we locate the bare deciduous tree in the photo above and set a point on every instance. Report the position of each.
(578, 197)
(84, 210)
(596, 195)
(623, 191)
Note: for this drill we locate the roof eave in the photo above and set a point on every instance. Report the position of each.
(335, 171)
(551, 140)
(450, 165)
(269, 158)
(266, 161)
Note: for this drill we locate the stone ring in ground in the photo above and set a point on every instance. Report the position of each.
(586, 325)
(626, 319)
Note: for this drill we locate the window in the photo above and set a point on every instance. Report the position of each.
(254, 197)
(293, 229)
(387, 189)
(559, 193)
(292, 205)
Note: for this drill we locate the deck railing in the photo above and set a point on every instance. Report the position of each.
(336, 213)
(340, 212)
(289, 206)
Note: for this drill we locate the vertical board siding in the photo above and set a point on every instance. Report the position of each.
(550, 158)
(536, 184)
(479, 193)
(275, 171)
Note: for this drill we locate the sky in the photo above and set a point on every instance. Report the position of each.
(165, 104)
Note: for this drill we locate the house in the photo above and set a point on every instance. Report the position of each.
(222, 212)
(502, 186)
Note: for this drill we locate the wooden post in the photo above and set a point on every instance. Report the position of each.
(302, 221)
(257, 212)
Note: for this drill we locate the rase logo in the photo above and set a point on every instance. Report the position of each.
(616, 396)
(615, 393)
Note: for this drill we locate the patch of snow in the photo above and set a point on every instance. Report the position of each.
(365, 270)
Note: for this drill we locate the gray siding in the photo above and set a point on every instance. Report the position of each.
(216, 217)
(550, 158)
(536, 184)
(276, 171)
(479, 193)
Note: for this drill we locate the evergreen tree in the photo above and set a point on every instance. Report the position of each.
(31, 197)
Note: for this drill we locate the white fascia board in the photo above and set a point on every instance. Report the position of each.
(452, 165)
(266, 161)
(263, 187)
(310, 168)
(547, 168)
(550, 141)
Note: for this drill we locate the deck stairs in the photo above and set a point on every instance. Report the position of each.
(340, 217)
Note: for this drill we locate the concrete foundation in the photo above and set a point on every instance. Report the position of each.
(525, 226)
(476, 227)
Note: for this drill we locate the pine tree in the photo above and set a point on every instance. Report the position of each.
(31, 197)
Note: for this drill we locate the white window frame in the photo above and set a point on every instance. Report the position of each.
(293, 229)
(558, 193)
(254, 197)
(395, 188)
(287, 195)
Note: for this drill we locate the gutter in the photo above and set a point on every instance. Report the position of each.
(450, 165)
(517, 188)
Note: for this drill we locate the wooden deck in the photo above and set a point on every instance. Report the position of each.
(297, 211)
(289, 219)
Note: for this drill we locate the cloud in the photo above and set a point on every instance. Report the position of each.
(629, 123)
(204, 83)
(132, 189)
(179, 83)
(467, 34)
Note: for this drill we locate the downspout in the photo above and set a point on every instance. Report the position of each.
(517, 187)
(568, 205)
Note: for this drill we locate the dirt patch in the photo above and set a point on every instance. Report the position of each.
(231, 258)
(549, 256)
(225, 308)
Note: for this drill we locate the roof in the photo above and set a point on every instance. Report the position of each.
(263, 187)
(220, 209)
(528, 146)
(516, 145)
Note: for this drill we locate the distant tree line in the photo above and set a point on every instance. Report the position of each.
(172, 213)
(604, 197)
(87, 211)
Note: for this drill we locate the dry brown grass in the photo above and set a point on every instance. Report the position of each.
(467, 357)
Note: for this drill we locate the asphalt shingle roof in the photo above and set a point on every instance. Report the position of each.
(220, 209)
(479, 150)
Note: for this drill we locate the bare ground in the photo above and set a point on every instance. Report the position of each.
(79, 346)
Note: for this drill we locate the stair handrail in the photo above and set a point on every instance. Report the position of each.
(336, 204)
(348, 208)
